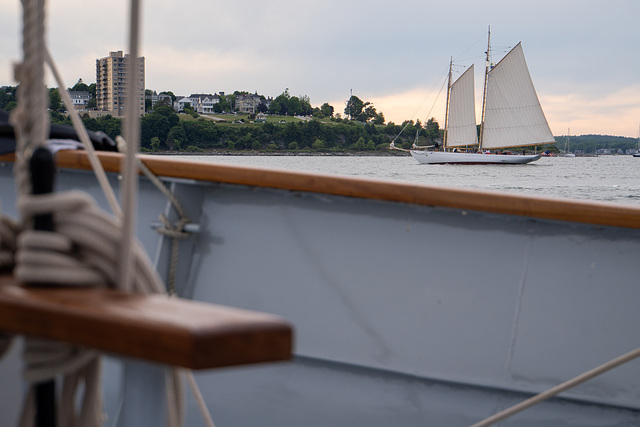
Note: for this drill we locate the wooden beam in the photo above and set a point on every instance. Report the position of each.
(154, 328)
(587, 212)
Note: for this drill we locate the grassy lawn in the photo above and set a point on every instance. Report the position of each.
(229, 119)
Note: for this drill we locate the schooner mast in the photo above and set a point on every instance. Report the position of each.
(484, 91)
(446, 110)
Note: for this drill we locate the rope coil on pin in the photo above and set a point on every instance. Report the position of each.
(80, 244)
(57, 245)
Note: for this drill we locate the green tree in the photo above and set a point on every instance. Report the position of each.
(92, 90)
(55, 101)
(153, 125)
(4, 98)
(378, 119)
(169, 113)
(231, 102)
(294, 106)
(305, 103)
(166, 92)
(155, 143)
(274, 107)
(432, 130)
(318, 144)
(354, 107)
(176, 138)
(110, 125)
(327, 110)
(80, 86)
(359, 145)
(262, 108)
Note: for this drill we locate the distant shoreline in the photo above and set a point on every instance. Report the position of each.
(276, 153)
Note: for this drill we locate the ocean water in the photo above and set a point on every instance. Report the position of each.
(606, 178)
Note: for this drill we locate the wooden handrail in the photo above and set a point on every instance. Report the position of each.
(589, 212)
(154, 328)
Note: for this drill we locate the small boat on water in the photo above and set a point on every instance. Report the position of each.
(566, 146)
(511, 116)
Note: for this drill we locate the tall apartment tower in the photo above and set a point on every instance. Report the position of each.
(112, 81)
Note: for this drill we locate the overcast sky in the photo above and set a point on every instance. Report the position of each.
(584, 55)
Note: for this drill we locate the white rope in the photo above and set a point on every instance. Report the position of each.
(84, 138)
(86, 244)
(82, 252)
(8, 235)
(175, 395)
(176, 233)
(129, 185)
(30, 117)
(9, 230)
(559, 388)
(198, 395)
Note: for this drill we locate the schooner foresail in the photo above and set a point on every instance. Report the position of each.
(511, 117)
(461, 119)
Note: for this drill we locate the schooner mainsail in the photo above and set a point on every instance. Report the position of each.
(511, 115)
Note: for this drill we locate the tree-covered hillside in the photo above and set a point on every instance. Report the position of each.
(165, 130)
(592, 144)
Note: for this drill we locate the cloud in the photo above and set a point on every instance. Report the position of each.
(387, 52)
(588, 112)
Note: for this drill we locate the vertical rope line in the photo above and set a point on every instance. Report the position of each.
(199, 399)
(30, 118)
(130, 181)
(84, 137)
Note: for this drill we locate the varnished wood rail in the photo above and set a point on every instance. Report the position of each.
(580, 211)
(154, 328)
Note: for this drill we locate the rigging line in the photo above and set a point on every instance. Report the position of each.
(472, 45)
(129, 184)
(436, 100)
(441, 77)
(84, 137)
(585, 376)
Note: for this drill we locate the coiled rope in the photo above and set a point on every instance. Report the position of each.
(87, 243)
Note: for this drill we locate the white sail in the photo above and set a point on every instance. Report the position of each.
(461, 124)
(513, 115)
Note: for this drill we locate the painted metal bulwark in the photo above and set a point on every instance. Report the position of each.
(479, 299)
(407, 314)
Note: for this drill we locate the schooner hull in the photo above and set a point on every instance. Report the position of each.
(412, 304)
(447, 157)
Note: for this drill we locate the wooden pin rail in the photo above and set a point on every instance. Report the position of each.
(154, 328)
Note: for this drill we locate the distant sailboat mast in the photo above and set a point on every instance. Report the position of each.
(512, 114)
(484, 91)
(446, 110)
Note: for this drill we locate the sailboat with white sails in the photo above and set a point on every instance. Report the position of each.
(566, 146)
(511, 116)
